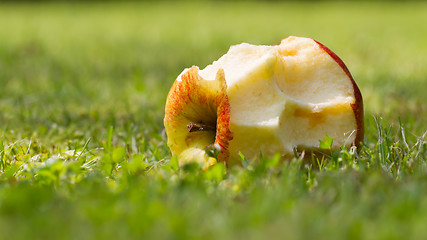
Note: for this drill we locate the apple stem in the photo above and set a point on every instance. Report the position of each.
(195, 127)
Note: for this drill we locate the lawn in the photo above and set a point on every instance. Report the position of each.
(83, 151)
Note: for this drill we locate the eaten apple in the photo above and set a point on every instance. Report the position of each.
(263, 99)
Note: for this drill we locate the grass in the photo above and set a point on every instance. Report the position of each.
(83, 152)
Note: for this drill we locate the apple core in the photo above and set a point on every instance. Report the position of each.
(263, 100)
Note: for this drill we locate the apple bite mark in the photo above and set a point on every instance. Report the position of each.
(324, 94)
(357, 106)
(194, 118)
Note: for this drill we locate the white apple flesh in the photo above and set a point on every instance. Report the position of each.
(279, 98)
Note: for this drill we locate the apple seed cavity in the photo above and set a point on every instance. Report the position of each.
(195, 127)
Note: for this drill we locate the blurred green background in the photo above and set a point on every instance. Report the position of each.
(82, 146)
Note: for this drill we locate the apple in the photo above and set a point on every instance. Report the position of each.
(263, 99)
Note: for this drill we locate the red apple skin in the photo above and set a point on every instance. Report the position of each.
(357, 106)
(223, 133)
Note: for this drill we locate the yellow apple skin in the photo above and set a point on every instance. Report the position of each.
(198, 101)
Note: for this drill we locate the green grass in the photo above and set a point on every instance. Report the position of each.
(83, 152)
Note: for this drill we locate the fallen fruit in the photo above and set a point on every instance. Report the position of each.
(263, 99)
